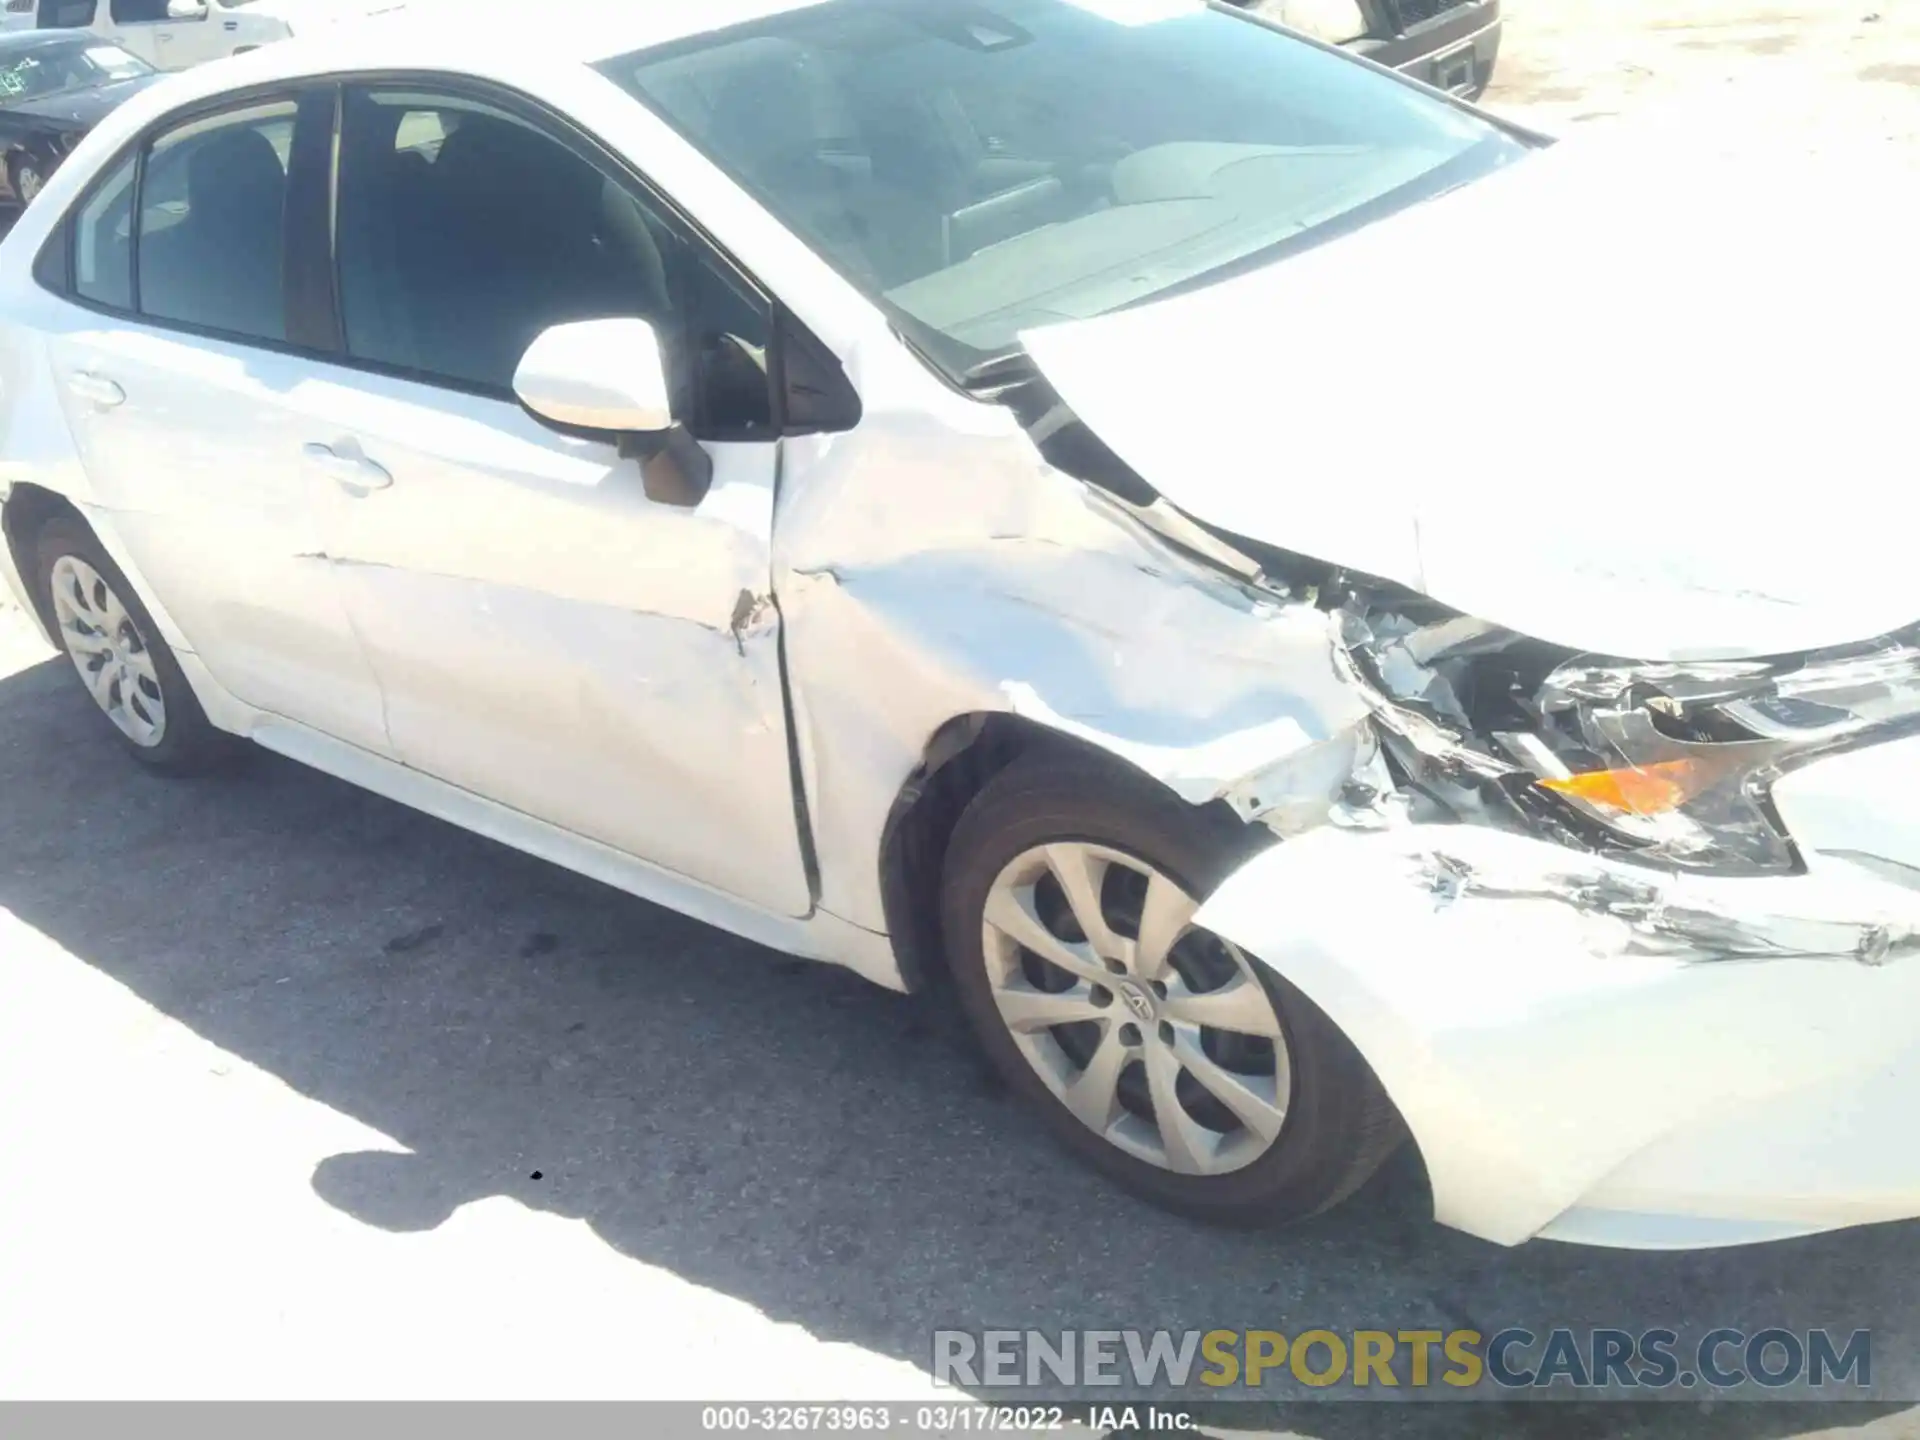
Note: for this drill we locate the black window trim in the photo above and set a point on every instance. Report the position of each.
(315, 256)
(136, 222)
(312, 282)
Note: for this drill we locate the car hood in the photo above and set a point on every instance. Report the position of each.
(1636, 395)
(81, 109)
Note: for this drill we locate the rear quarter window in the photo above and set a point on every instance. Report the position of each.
(103, 241)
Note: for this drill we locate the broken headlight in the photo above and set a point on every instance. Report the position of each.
(1671, 764)
(1677, 761)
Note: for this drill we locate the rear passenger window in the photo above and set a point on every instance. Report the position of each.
(103, 242)
(212, 223)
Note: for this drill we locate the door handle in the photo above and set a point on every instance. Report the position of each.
(96, 389)
(354, 474)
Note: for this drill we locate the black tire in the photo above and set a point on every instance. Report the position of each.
(18, 167)
(188, 743)
(1339, 1125)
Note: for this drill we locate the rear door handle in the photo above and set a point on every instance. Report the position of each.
(355, 474)
(96, 389)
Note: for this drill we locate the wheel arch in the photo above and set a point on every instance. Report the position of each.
(23, 515)
(963, 755)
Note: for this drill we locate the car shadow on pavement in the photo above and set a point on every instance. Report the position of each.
(776, 1131)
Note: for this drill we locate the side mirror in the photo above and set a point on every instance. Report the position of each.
(597, 375)
(609, 376)
(186, 9)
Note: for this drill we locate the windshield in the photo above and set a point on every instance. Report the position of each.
(984, 168)
(50, 69)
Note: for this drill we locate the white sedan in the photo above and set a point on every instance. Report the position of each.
(1011, 498)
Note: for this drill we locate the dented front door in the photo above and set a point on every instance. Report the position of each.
(543, 634)
(548, 637)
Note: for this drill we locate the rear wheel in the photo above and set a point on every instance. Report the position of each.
(1155, 1050)
(124, 665)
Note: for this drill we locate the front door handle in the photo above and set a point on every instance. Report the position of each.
(354, 474)
(96, 389)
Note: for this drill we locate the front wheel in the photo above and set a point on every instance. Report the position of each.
(28, 176)
(1155, 1050)
(117, 651)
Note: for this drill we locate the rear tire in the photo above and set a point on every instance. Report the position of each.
(1225, 1158)
(123, 664)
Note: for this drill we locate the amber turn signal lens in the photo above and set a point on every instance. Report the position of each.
(1649, 790)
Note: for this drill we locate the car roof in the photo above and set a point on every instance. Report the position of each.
(590, 30)
(472, 36)
(25, 42)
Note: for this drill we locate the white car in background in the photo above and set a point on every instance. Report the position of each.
(1105, 566)
(177, 34)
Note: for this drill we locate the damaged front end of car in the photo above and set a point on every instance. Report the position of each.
(1666, 766)
(1567, 907)
(1666, 769)
(1609, 932)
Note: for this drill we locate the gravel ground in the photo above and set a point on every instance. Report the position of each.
(1823, 72)
(304, 1094)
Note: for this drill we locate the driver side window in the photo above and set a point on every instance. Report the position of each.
(66, 14)
(465, 231)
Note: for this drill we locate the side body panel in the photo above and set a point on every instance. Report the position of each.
(546, 635)
(928, 565)
(200, 471)
(37, 445)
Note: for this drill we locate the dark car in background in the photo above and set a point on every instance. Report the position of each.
(55, 86)
(1450, 44)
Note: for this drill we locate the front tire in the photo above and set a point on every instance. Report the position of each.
(28, 176)
(123, 663)
(1156, 1051)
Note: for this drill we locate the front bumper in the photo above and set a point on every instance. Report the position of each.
(1592, 1051)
